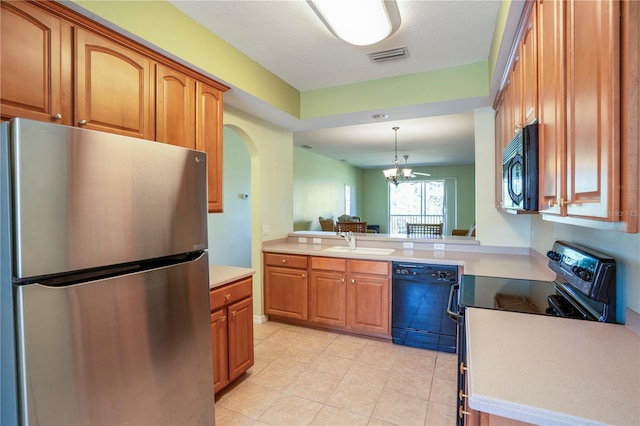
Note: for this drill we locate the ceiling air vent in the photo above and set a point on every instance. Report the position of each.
(389, 55)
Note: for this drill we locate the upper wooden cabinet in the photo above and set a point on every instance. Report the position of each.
(580, 109)
(35, 74)
(70, 70)
(114, 87)
(175, 107)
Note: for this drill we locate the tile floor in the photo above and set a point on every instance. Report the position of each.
(304, 376)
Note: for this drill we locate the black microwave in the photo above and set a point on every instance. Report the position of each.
(520, 171)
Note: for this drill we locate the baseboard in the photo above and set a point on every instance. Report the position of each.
(260, 319)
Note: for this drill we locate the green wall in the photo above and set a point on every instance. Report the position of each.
(376, 194)
(318, 189)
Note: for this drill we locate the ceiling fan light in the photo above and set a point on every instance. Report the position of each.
(358, 22)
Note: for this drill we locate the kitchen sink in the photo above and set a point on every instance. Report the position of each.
(359, 250)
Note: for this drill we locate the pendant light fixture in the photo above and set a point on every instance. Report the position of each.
(395, 175)
(358, 22)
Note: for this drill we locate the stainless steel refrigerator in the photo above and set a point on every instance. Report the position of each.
(104, 294)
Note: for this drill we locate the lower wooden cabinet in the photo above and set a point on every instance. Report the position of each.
(337, 293)
(231, 331)
(285, 286)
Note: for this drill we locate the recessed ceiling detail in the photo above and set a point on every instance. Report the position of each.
(389, 55)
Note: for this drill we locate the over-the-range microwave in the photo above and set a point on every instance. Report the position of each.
(520, 171)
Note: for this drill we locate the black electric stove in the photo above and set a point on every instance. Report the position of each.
(584, 289)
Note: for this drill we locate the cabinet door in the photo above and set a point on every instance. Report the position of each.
(220, 349)
(593, 98)
(368, 303)
(209, 139)
(286, 292)
(35, 61)
(175, 107)
(240, 337)
(529, 57)
(327, 298)
(551, 130)
(113, 87)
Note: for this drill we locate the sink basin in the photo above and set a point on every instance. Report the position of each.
(359, 250)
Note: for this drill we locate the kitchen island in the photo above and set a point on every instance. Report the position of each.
(552, 371)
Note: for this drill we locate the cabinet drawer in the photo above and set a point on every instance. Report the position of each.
(287, 260)
(329, 263)
(370, 267)
(230, 293)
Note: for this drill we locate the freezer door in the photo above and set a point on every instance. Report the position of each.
(86, 199)
(134, 349)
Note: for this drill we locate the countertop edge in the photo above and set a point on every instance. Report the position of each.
(220, 275)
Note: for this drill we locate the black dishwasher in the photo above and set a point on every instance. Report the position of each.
(420, 295)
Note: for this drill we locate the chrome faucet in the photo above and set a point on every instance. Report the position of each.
(351, 239)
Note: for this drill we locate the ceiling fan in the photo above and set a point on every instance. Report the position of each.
(413, 174)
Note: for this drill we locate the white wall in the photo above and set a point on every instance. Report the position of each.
(494, 228)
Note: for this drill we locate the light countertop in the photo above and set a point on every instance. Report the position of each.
(552, 371)
(476, 260)
(222, 274)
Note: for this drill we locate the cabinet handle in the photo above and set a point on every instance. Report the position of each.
(462, 368)
(223, 318)
(284, 261)
(461, 412)
(227, 296)
(233, 314)
(461, 395)
(58, 116)
(82, 122)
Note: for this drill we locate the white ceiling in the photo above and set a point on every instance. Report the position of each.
(287, 38)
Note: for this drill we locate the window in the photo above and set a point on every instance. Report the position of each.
(420, 201)
(347, 200)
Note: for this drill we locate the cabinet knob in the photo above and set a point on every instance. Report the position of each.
(564, 202)
(227, 296)
(461, 395)
(342, 280)
(462, 368)
(223, 318)
(353, 280)
(58, 116)
(284, 261)
(82, 122)
(553, 202)
(233, 314)
(302, 275)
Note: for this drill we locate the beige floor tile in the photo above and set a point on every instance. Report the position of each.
(331, 364)
(316, 341)
(291, 410)
(409, 382)
(264, 330)
(285, 337)
(314, 385)
(446, 369)
(297, 357)
(400, 409)
(276, 376)
(353, 397)
(332, 416)
(367, 374)
(249, 399)
(443, 391)
(440, 415)
(345, 348)
(225, 417)
(268, 351)
(378, 353)
(377, 422)
(420, 362)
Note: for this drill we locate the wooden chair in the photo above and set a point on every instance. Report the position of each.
(327, 224)
(424, 229)
(357, 227)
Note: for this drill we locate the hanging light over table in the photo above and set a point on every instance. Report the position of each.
(395, 175)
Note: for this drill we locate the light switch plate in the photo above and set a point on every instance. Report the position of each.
(265, 229)
(302, 239)
(438, 246)
(317, 241)
(407, 245)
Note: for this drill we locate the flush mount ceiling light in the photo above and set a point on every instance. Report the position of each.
(359, 22)
(394, 175)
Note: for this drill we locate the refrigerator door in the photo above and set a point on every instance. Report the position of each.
(133, 349)
(85, 199)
